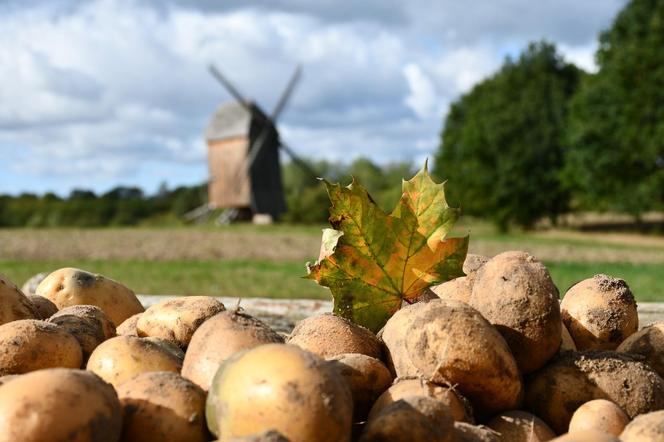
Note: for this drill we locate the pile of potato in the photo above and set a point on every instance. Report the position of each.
(491, 356)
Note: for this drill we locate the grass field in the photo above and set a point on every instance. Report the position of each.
(251, 261)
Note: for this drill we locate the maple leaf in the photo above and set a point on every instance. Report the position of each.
(372, 261)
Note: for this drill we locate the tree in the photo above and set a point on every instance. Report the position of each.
(616, 131)
(502, 143)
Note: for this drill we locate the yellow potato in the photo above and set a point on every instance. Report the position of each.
(177, 319)
(647, 343)
(69, 286)
(601, 415)
(647, 427)
(219, 338)
(459, 406)
(59, 404)
(162, 406)
(87, 323)
(587, 436)
(14, 304)
(29, 344)
(119, 359)
(330, 335)
(280, 387)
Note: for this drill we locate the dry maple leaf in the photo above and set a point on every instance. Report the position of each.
(372, 261)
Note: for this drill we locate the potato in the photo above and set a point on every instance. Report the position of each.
(587, 436)
(601, 415)
(647, 343)
(367, 378)
(297, 393)
(516, 294)
(265, 436)
(459, 408)
(128, 326)
(567, 343)
(14, 304)
(520, 426)
(8, 377)
(59, 404)
(461, 288)
(160, 406)
(647, 427)
(118, 359)
(177, 319)
(411, 419)
(450, 342)
(68, 286)
(220, 337)
(29, 344)
(45, 308)
(465, 432)
(555, 392)
(87, 323)
(393, 336)
(600, 312)
(330, 335)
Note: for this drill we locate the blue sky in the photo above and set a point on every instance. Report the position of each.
(98, 93)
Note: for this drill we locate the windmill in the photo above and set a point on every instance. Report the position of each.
(243, 155)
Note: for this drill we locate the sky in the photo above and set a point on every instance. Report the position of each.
(96, 94)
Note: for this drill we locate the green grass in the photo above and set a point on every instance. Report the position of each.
(214, 278)
(283, 279)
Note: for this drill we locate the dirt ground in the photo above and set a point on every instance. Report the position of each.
(290, 245)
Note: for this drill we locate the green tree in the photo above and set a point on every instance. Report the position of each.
(616, 131)
(502, 143)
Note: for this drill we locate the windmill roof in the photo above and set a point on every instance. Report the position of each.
(229, 120)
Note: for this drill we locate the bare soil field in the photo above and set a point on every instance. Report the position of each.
(288, 244)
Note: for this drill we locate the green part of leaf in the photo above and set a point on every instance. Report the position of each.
(373, 261)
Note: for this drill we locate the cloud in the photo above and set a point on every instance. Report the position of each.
(117, 91)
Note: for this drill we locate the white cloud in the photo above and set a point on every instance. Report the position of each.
(117, 91)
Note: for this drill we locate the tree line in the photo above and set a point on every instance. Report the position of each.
(541, 138)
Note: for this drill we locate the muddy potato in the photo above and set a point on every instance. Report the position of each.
(450, 342)
(330, 335)
(600, 312)
(29, 344)
(587, 436)
(219, 338)
(128, 326)
(45, 308)
(87, 323)
(461, 288)
(299, 394)
(555, 392)
(459, 408)
(69, 286)
(647, 343)
(59, 405)
(465, 432)
(14, 304)
(393, 336)
(160, 406)
(601, 415)
(367, 378)
(520, 426)
(177, 319)
(515, 293)
(411, 419)
(647, 427)
(118, 359)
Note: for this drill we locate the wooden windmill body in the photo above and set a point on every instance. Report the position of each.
(243, 155)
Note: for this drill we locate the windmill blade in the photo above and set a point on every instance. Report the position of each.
(216, 73)
(287, 93)
(299, 161)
